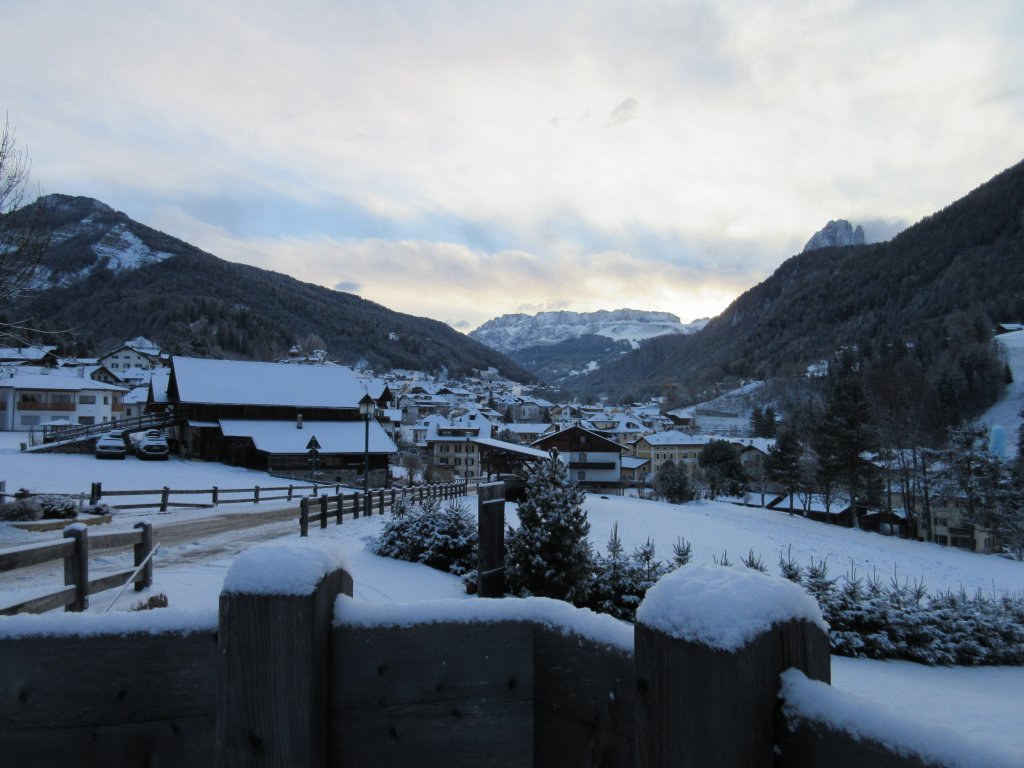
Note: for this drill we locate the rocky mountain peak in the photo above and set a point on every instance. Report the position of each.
(839, 232)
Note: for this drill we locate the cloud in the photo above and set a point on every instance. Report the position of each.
(761, 122)
(624, 112)
(347, 287)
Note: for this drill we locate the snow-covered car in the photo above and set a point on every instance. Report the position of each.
(111, 447)
(149, 447)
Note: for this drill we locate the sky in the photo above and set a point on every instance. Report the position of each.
(463, 160)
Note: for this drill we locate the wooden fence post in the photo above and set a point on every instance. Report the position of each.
(95, 493)
(367, 502)
(323, 510)
(304, 516)
(165, 497)
(394, 497)
(490, 560)
(382, 501)
(707, 689)
(256, 495)
(215, 496)
(76, 566)
(290, 491)
(142, 550)
(273, 653)
(355, 505)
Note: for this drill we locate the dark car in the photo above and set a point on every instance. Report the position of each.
(111, 447)
(150, 447)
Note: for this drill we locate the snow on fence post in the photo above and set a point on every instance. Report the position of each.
(273, 643)
(490, 563)
(76, 566)
(711, 643)
(141, 552)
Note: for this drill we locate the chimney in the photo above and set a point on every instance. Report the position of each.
(298, 421)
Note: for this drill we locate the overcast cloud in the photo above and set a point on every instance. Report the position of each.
(460, 160)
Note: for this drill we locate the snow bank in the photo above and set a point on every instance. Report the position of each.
(724, 607)
(812, 700)
(555, 614)
(283, 568)
(156, 622)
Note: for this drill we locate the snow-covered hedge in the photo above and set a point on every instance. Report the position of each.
(874, 619)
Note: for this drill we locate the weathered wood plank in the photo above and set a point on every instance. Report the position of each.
(112, 581)
(432, 695)
(703, 706)
(32, 554)
(43, 603)
(114, 540)
(813, 745)
(272, 687)
(584, 701)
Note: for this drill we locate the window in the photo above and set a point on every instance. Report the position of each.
(87, 399)
(582, 475)
(87, 420)
(31, 397)
(458, 461)
(443, 460)
(470, 462)
(583, 456)
(106, 399)
(29, 421)
(444, 449)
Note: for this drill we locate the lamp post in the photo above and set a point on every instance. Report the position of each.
(366, 409)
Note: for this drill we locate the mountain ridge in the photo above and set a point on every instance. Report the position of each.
(107, 277)
(965, 257)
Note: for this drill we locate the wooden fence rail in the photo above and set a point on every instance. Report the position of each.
(321, 509)
(74, 550)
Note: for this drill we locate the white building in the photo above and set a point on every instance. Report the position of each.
(35, 397)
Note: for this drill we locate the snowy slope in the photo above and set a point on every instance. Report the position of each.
(1006, 413)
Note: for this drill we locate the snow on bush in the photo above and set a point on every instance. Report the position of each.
(896, 620)
(443, 537)
(49, 507)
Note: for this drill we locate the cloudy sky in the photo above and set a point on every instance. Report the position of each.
(461, 160)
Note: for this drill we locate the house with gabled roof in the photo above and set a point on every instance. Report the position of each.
(594, 461)
(32, 397)
(264, 415)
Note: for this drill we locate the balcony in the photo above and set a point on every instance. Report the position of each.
(28, 406)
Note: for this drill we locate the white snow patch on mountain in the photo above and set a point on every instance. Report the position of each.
(126, 251)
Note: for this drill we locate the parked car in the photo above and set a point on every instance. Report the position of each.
(149, 447)
(110, 447)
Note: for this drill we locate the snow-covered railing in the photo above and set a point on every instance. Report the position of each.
(74, 550)
(295, 672)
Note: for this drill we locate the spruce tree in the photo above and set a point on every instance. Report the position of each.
(549, 555)
(783, 463)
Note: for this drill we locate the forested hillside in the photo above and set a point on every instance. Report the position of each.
(193, 303)
(967, 258)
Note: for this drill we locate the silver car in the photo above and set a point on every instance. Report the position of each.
(110, 447)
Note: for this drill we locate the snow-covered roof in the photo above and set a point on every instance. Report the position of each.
(633, 462)
(523, 450)
(675, 437)
(333, 436)
(25, 378)
(235, 382)
(25, 353)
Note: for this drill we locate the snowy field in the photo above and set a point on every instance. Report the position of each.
(986, 704)
(1006, 413)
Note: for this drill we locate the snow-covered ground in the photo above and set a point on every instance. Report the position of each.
(979, 703)
(1006, 413)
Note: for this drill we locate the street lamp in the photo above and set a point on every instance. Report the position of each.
(366, 408)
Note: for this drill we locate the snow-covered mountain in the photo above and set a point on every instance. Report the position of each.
(87, 235)
(518, 331)
(839, 232)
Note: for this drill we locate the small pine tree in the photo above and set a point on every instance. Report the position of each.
(682, 551)
(549, 555)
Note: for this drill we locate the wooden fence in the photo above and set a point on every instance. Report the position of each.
(218, 496)
(321, 509)
(504, 683)
(74, 549)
